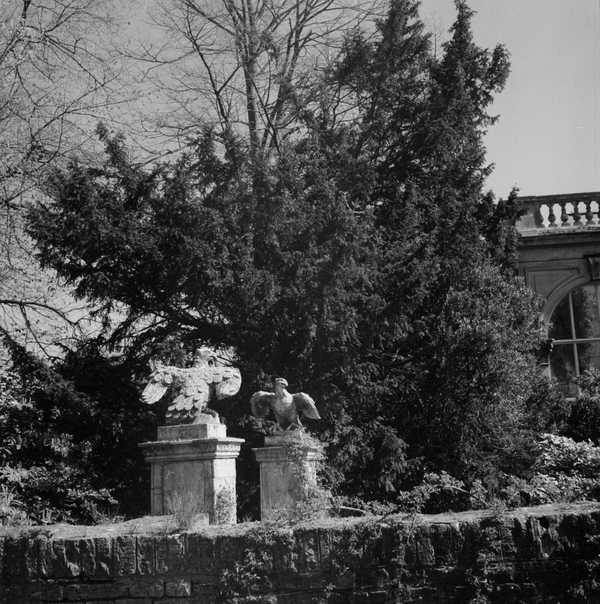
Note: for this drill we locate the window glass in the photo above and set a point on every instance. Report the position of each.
(585, 311)
(562, 362)
(560, 327)
(589, 355)
(575, 331)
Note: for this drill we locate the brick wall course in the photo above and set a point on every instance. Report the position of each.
(549, 554)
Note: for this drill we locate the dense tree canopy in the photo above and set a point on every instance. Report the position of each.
(364, 262)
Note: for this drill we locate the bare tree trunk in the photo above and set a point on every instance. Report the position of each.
(250, 75)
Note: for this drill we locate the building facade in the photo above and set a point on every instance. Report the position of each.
(559, 257)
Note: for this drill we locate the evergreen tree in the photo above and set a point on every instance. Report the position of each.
(365, 264)
(70, 436)
(456, 331)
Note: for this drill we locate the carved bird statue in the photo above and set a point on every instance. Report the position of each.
(287, 408)
(193, 388)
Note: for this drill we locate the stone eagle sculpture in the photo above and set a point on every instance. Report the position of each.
(193, 388)
(287, 408)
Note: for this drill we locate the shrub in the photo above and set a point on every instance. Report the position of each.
(43, 475)
(562, 455)
(437, 493)
(583, 422)
(70, 445)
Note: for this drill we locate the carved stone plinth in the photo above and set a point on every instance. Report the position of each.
(288, 471)
(193, 471)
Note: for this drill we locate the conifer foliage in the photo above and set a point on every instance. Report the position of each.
(363, 261)
(70, 439)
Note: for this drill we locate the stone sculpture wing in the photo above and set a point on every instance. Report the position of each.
(305, 405)
(159, 383)
(260, 403)
(194, 392)
(228, 381)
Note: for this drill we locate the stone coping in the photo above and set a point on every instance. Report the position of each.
(294, 438)
(280, 454)
(191, 449)
(191, 441)
(161, 525)
(191, 431)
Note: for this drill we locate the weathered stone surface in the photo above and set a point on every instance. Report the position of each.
(178, 588)
(286, 408)
(146, 589)
(124, 555)
(58, 564)
(76, 592)
(48, 591)
(103, 549)
(169, 553)
(201, 554)
(539, 554)
(15, 551)
(210, 428)
(192, 389)
(287, 471)
(193, 478)
(145, 556)
(160, 548)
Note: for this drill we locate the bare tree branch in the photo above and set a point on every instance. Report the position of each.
(54, 84)
(242, 64)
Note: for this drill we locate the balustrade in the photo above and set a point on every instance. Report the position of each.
(560, 211)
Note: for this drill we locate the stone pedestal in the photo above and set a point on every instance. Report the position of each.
(193, 471)
(288, 473)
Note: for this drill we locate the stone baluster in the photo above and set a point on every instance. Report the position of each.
(589, 213)
(541, 215)
(590, 217)
(564, 212)
(564, 215)
(577, 216)
(551, 215)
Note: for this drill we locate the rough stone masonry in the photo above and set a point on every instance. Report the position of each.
(543, 554)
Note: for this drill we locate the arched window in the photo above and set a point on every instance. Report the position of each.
(575, 331)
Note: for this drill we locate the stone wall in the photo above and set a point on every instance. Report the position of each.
(549, 554)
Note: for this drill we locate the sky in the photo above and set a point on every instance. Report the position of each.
(547, 139)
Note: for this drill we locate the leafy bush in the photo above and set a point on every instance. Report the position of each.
(562, 455)
(437, 493)
(361, 260)
(12, 511)
(43, 467)
(65, 454)
(583, 422)
(564, 471)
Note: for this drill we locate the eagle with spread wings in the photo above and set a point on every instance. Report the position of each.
(287, 408)
(193, 388)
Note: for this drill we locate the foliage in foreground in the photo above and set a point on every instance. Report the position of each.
(557, 467)
(67, 454)
(564, 471)
(386, 296)
(363, 261)
(47, 475)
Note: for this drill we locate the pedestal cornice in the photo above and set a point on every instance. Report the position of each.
(197, 448)
(278, 454)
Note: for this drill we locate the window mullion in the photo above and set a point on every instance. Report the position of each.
(573, 335)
